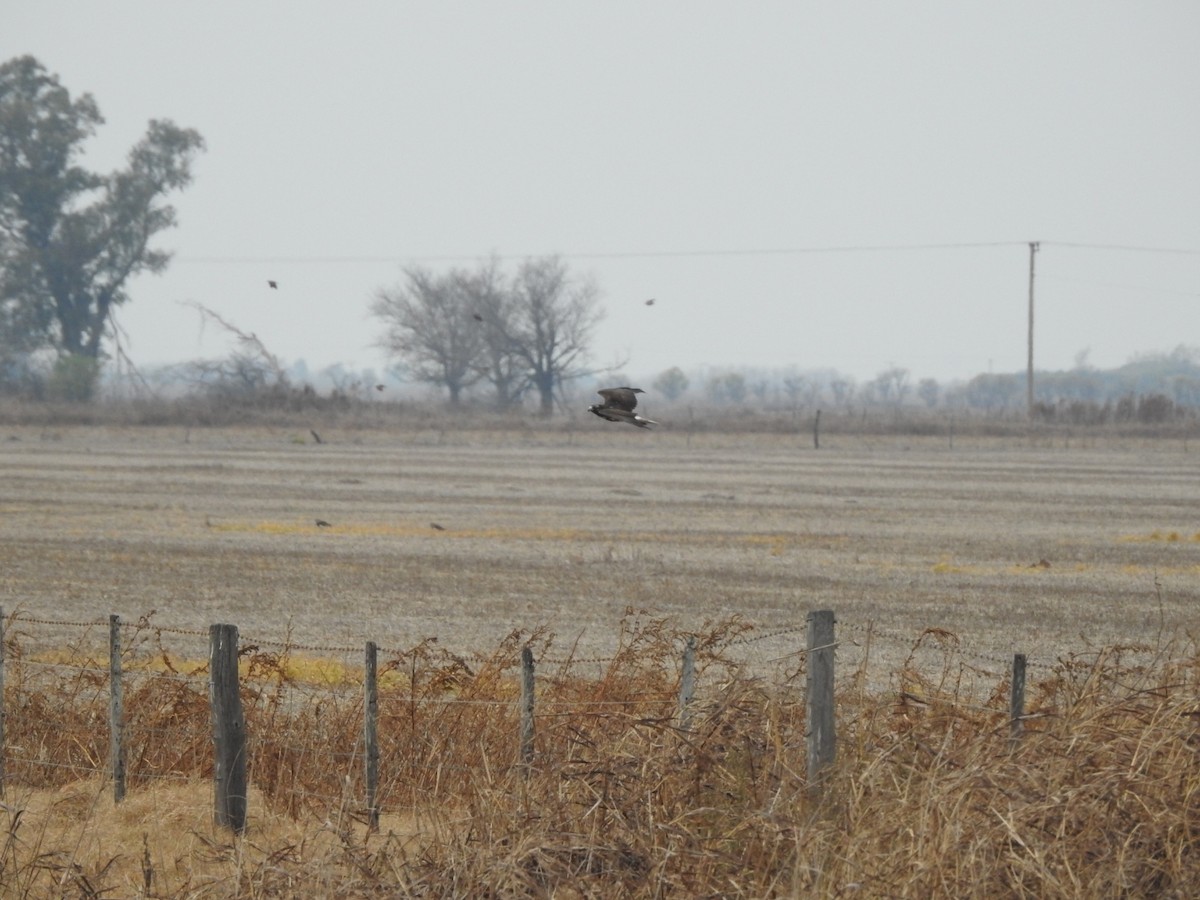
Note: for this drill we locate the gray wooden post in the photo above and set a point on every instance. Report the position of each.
(687, 683)
(819, 719)
(371, 732)
(116, 710)
(2, 634)
(1016, 705)
(817, 431)
(526, 709)
(229, 729)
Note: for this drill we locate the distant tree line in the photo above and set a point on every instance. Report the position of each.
(1154, 387)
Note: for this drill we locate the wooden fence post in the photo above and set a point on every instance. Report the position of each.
(687, 683)
(371, 732)
(819, 719)
(229, 728)
(817, 431)
(526, 709)
(1016, 706)
(3, 632)
(116, 710)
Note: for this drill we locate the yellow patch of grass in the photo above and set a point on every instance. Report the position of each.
(1170, 537)
(774, 541)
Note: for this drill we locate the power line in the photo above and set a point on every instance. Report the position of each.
(679, 254)
(623, 254)
(1131, 248)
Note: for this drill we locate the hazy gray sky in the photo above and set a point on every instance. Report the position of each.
(664, 147)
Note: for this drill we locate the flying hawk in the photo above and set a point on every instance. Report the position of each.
(618, 406)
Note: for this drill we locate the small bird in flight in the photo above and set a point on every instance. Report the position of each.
(619, 405)
(273, 285)
(477, 317)
(650, 302)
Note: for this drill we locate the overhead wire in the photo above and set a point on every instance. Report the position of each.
(679, 254)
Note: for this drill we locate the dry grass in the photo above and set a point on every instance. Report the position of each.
(929, 797)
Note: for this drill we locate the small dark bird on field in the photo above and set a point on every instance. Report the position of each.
(436, 527)
(321, 523)
(273, 285)
(650, 302)
(618, 406)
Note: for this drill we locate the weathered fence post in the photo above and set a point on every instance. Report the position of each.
(1016, 706)
(116, 710)
(229, 728)
(817, 431)
(687, 683)
(371, 732)
(819, 720)
(3, 631)
(526, 709)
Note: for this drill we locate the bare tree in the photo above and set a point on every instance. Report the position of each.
(250, 370)
(431, 324)
(492, 314)
(553, 315)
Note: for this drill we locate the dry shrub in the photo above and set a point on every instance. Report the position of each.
(931, 795)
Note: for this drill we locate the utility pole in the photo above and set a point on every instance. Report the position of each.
(1033, 249)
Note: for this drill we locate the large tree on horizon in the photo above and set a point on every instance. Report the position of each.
(431, 325)
(530, 330)
(550, 330)
(71, 239)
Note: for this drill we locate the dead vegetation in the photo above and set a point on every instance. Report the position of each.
(930, 795)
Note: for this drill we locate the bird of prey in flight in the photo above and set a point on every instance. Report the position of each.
(273, 285)
(618, 406)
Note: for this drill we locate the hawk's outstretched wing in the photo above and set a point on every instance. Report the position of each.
(621, 397)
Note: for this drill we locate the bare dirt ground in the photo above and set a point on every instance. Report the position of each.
(1010, 544)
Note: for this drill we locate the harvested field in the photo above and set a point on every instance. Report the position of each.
(1041, 549)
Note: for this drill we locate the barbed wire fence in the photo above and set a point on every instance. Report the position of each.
(356, 730)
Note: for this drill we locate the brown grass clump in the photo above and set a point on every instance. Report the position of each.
(931, 795)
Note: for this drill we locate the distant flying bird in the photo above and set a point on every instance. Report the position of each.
(618, 406)
(650, 302)
(477, 317)
(273, 285)
(321, 523)
(380, 387)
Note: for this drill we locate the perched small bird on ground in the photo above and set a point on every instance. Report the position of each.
(618, 406)
(273, 285)
(436, 527)
(321, 523)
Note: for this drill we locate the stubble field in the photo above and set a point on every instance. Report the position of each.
(1009, 544)
(939, 563)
